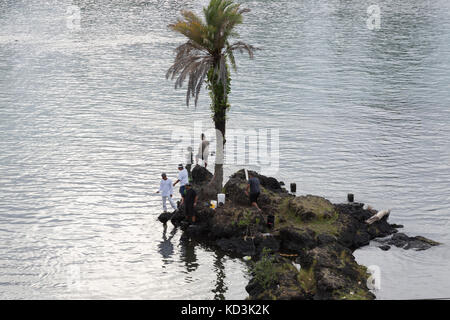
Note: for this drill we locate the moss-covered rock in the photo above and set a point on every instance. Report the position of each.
(309, 208)
(275, 278)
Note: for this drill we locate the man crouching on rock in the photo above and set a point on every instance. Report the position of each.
(190, 202)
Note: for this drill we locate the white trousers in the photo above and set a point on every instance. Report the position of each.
(172, 203)
(199, 157)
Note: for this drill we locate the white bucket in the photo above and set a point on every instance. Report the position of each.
(221, 198)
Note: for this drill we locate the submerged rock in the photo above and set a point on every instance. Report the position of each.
(401, 240)
(309, 231)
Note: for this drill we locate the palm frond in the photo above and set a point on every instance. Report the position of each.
(207, 46)
(242, 47)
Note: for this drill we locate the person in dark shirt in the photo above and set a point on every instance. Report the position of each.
(190, 202)
(253, 187)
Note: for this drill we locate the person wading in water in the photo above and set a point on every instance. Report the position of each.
(166, 190)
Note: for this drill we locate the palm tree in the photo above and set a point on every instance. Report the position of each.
(205, 58)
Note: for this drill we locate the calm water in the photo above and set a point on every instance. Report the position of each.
(87, 117)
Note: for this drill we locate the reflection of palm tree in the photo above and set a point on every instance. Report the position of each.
(188, 255)
(166, 246)
(220, 287)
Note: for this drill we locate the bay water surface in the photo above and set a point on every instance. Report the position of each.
(87, 122)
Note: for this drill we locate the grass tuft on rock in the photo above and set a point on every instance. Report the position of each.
(265, 270)
(307, 280)
(323, 216)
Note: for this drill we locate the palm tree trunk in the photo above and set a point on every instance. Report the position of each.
(217, 180)
(219, 108)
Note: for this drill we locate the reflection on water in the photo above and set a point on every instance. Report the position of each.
(219, 269)
(166, 246)
(86, 122)
(188, 254)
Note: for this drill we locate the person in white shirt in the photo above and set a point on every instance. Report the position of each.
(183, 179)
(203, 151)
(166, 190)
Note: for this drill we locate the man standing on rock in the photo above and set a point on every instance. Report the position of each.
(166, 190)
(183, 179)
(253, 187)
(203, 151)
(189, 161)
(190, 202)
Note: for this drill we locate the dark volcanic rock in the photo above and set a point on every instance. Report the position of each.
(356, 232)
(200, 175)
(307, 255)
(165, 216)
(295, 241)
(401, 240)
(235, 191)
(178, 216)
(269, 183)
(238, 246)
(326, 238)
(285, 286)
(328, 280)
(309, 207)
(266, 242)
(200, 179)
(337, 274)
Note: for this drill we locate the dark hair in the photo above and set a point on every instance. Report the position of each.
(203, 136)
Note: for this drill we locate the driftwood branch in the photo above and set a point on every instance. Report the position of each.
(378, 216)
